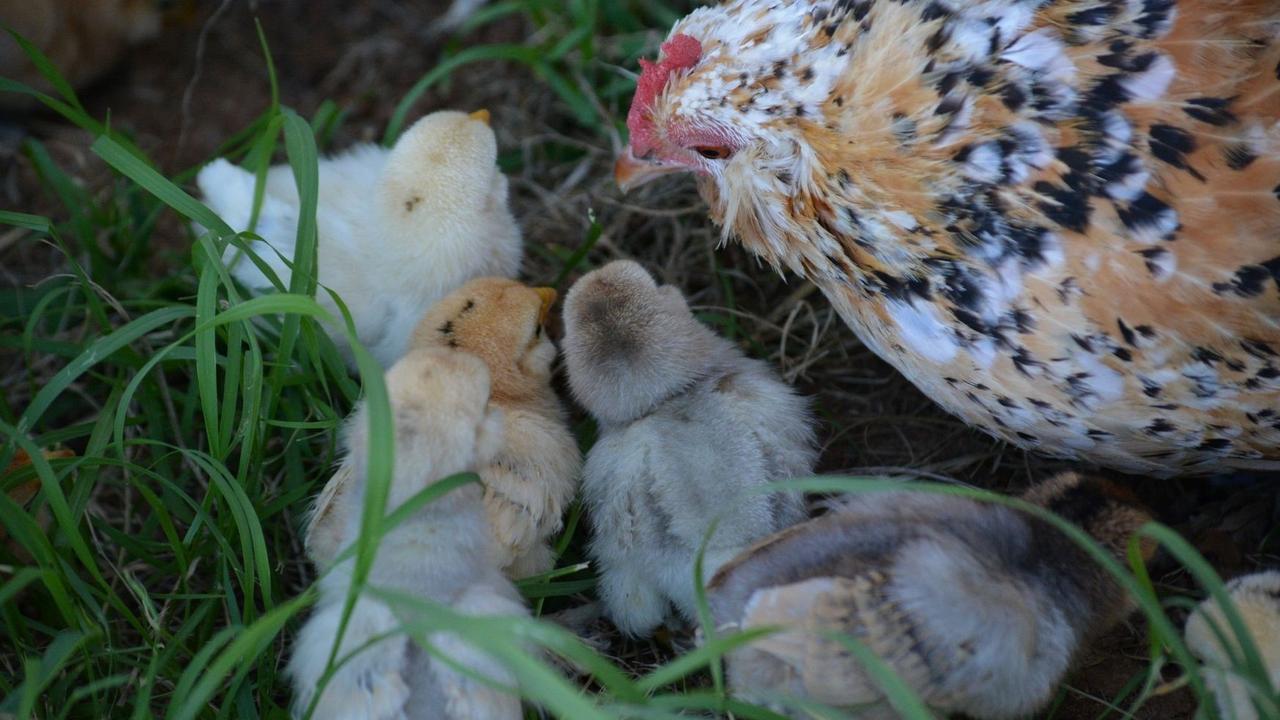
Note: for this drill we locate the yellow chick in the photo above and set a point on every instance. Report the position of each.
(444, 425)
(82, 38)
(1257, 599)
(535, 472)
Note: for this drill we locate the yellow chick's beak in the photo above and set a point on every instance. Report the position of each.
(548, 297)
(631, 172)
(481, 115)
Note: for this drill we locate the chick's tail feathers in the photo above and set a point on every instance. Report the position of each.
(465, 696)
(371, 685)
(228, 191)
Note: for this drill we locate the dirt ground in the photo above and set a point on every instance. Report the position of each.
(183, 94)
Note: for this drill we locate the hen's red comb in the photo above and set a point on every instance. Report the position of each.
(681, 52)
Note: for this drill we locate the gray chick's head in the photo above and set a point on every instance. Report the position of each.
(630, 343)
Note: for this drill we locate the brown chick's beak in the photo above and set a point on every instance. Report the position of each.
(481, 115)
(548, 297)
(632, 172)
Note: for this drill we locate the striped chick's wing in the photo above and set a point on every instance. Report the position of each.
(804, 660)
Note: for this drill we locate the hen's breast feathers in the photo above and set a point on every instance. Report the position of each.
(1062, 219)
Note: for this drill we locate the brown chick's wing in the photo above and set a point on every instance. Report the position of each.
(808, 579)
(527, 488)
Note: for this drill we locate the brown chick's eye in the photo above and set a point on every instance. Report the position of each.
(712, 152)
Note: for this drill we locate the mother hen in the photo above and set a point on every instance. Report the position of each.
(1060, 220)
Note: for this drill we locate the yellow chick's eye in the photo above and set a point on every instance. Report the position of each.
(712, 152)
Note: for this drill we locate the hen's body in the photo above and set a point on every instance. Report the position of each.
(1059, 220)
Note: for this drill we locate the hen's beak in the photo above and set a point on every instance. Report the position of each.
(631, 172)
(481, 115)
(548, 297)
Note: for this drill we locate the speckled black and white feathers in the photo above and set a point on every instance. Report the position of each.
(1060, 219)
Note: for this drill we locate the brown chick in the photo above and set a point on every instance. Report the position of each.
(1060, 220)
(535, 474)
(978, 608)
(82, 38)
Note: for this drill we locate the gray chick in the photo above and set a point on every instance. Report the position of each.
(688, 428)
(980, 609)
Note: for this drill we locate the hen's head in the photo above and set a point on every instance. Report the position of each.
(661, 142)
(740, 97)
(809, 125)
(704, 105)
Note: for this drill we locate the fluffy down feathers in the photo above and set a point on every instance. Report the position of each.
(398, 228)
(1257, 599)
(442, 554)
(535, 471)
(978, 608)
(688, 428)
(1059, 220)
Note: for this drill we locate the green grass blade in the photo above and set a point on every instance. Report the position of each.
(300, 146)
(46, 69)
(57, 500)
(271, 65)
(22, 578)
(494, 636)
(35, 223)
(95, 353)
(703, 656)
(206, 347)
(580, 254)
(132, 167)
(24, 530)
(248, 644)
(379, 464)
(42, 672)
(519, 53)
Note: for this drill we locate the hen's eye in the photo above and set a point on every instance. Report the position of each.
(712, 152)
